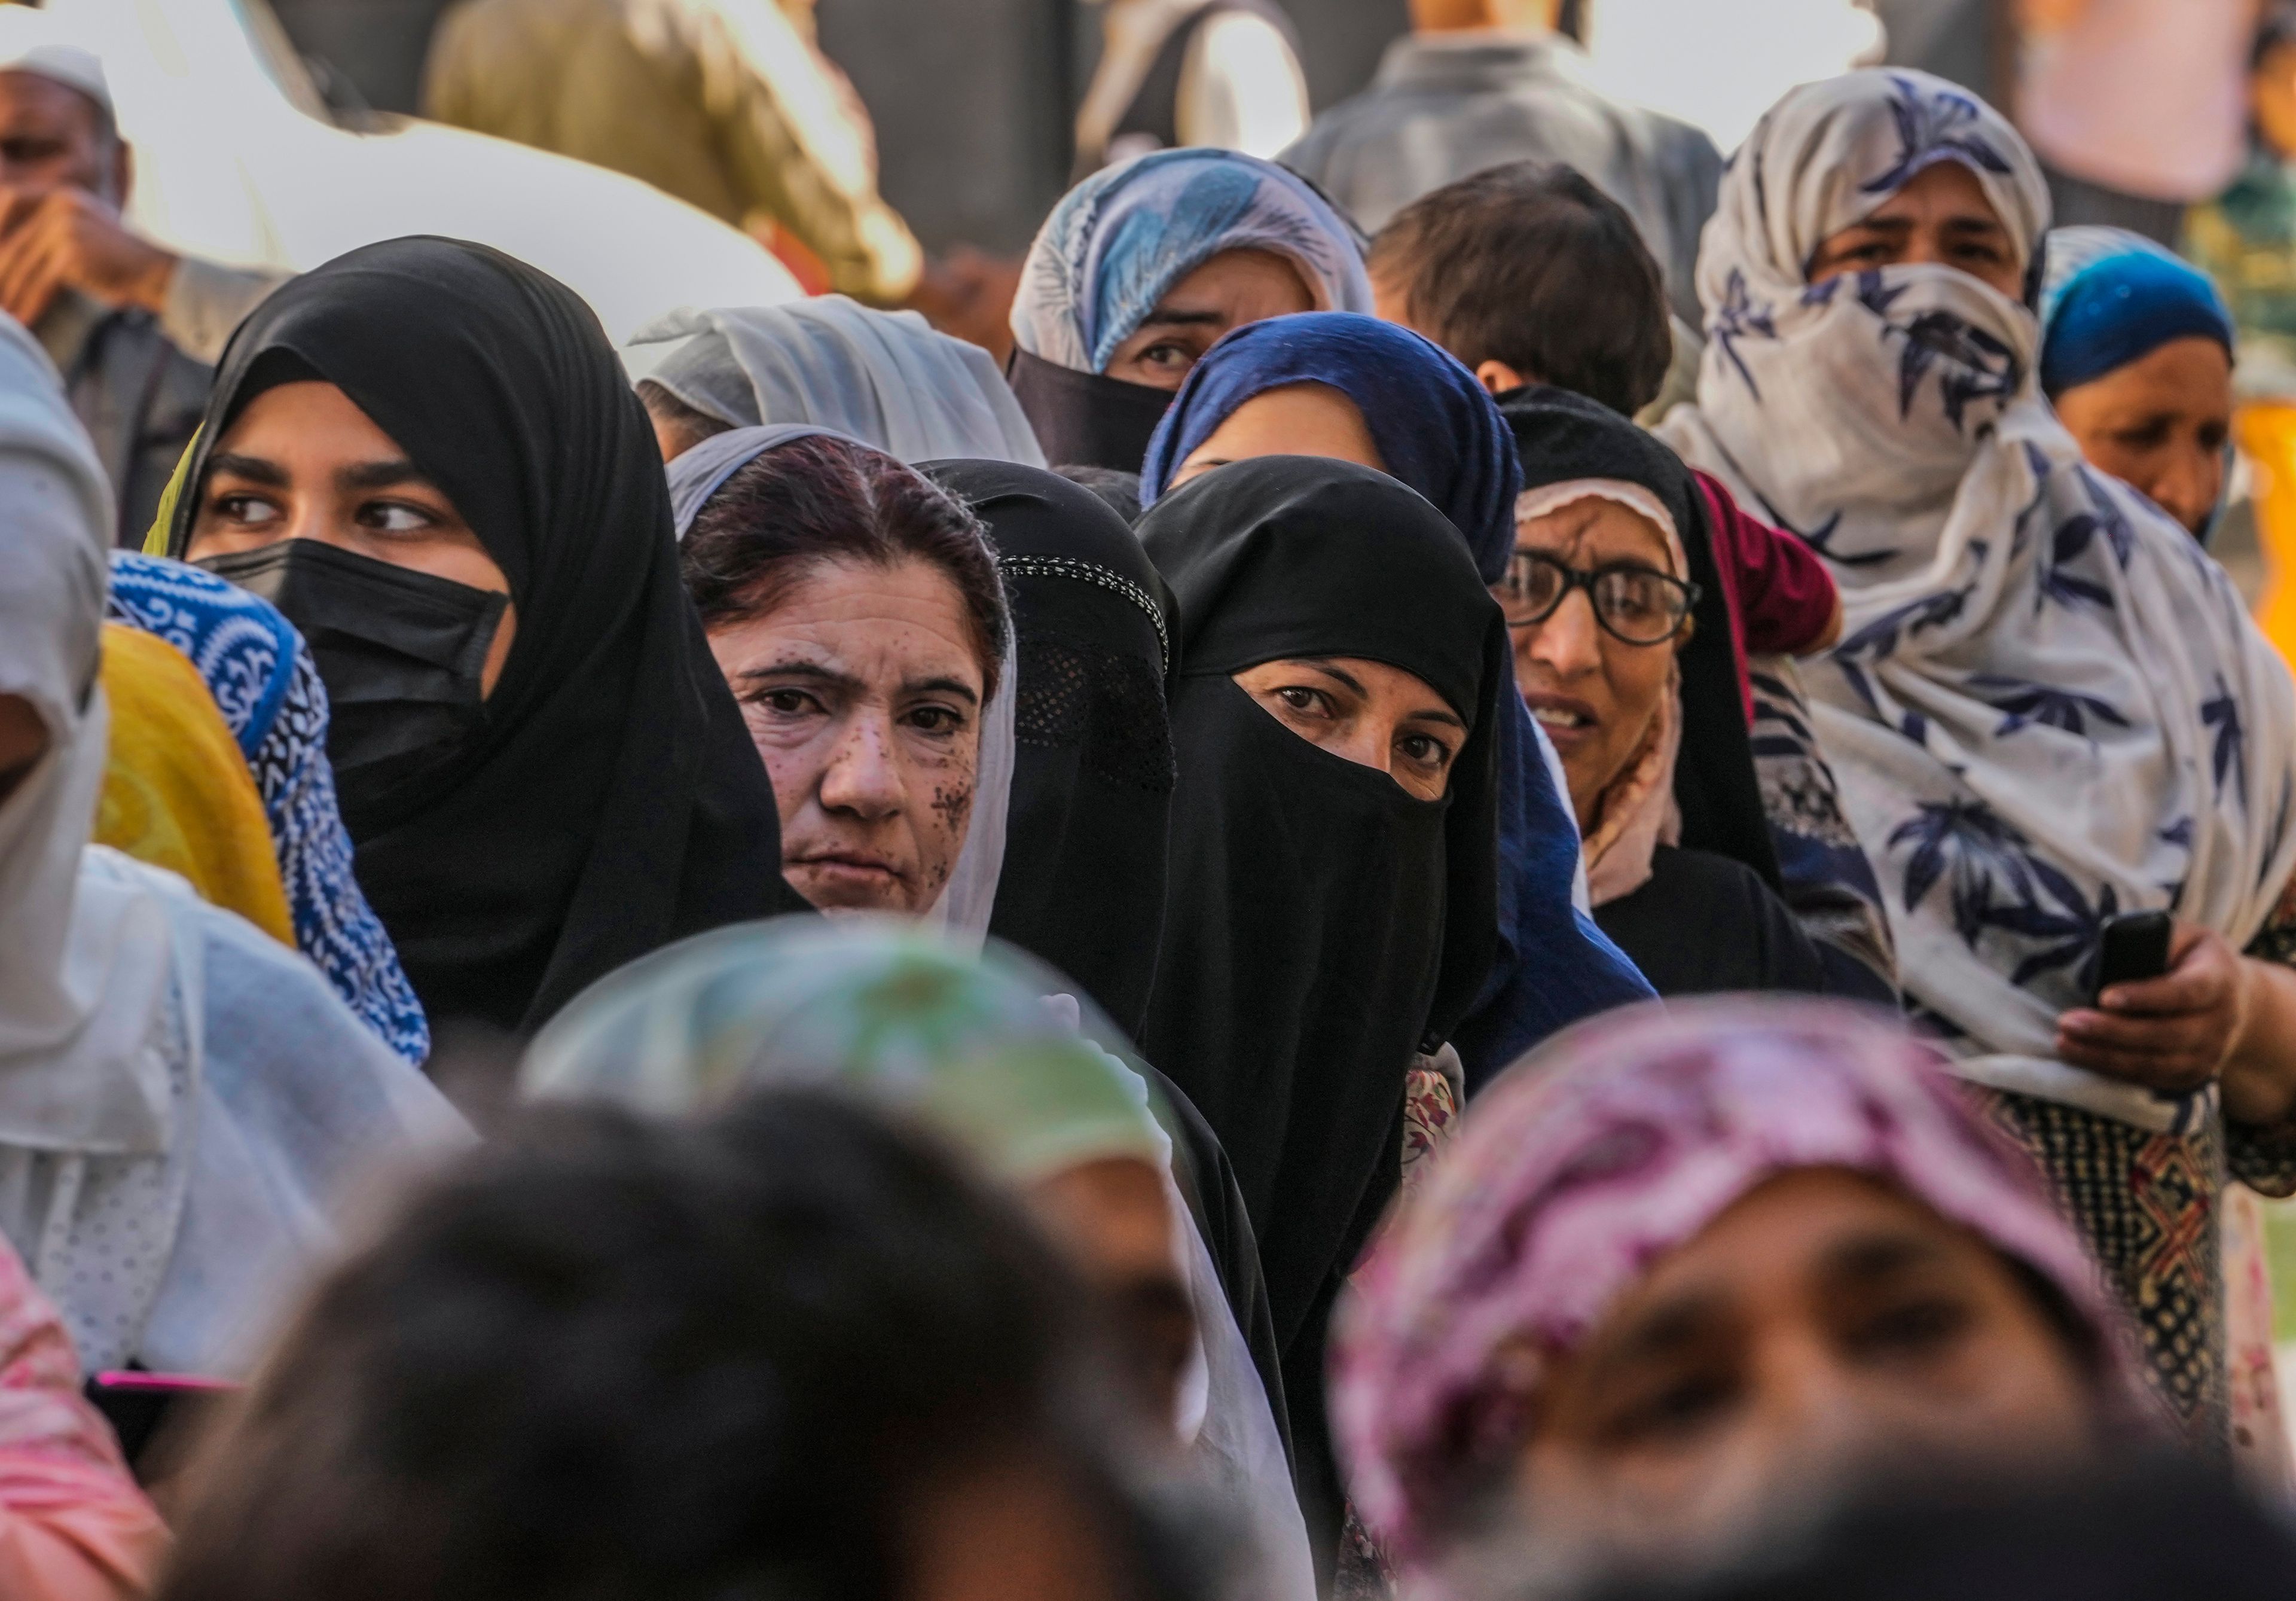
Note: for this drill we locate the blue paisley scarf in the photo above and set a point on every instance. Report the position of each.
(265, 683)
(2048, 706)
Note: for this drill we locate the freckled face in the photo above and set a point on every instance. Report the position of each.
(864, 693)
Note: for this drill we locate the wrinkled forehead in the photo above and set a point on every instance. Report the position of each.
(1832, 153)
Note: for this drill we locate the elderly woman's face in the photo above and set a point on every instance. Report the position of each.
(1234, 288)
(862, 691)
(2160, 424)
(1824, 1329)
(1595, 695)
(1942, 218)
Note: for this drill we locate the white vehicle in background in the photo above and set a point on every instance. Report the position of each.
(238, 160)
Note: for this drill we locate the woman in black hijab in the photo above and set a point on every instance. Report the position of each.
(1083, 882)
(461, 507)
(1331, 911)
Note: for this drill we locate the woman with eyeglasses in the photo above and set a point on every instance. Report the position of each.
(1604, 598)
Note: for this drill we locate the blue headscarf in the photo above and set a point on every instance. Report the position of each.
(1120, 239)
(2111, 297)
(1435, 428)
(267, 687)
(1439, 432)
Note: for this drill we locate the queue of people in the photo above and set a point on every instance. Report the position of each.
(1315, 943)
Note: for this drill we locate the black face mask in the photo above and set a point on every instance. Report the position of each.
(402, 654)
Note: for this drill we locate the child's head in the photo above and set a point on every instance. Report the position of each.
(1529, 274)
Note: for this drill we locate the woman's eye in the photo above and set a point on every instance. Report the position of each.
(1176, 356)
(1309, 702)
(394, 517)
(1675, 1408)
(786, 702)
(2151, 437)
(1914, 1327)
(1425, 749)
(246, 509)
(937, 720)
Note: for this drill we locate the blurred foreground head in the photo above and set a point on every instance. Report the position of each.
(790, 1352)
(1686, 1272)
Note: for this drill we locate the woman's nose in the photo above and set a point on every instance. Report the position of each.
(1569, 642)
(862, 776)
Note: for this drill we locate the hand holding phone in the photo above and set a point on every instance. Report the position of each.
(2135, 948)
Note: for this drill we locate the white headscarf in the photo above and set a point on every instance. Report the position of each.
(885, 377)
(970, 896)
(84, 960)
(2048, 705)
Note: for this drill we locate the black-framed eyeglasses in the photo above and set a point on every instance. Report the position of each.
(1634, 605)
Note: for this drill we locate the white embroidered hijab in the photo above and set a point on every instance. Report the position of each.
(2049, 705)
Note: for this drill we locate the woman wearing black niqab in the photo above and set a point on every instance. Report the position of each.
(1323, 925)
(1083, 885)
(600, 797)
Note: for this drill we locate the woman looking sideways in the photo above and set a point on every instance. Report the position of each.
(426, 454)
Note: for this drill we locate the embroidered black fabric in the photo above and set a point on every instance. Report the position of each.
(1075, 694)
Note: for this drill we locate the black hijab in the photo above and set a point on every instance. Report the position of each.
(1086, 419)
(1563, 437)
(1321, 923)
(1083, 883)
(611, 799)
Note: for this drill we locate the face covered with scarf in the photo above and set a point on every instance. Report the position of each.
(426, 454)
(2019, 628)
(1686, 1270)
(1091, 776)
(2136, 355)
(1330, 908)
(1141, 268)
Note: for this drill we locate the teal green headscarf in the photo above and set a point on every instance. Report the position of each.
(979, 1046)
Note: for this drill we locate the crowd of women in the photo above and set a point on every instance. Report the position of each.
(1425, 989)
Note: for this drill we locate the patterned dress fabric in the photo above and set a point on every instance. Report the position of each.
(2048, 707)
(267, 688)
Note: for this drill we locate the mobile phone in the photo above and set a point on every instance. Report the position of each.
(2136, 946)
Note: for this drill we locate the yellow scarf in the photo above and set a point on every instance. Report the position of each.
(176, 789)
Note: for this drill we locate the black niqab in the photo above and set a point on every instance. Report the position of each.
(611, 801)
(1321, 923)
(1083, 883)
(1563, 437)
(1086, 419)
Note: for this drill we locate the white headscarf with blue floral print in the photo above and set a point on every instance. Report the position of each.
(2048, 706)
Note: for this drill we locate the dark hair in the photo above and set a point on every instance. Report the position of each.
(613, 1358)
(685, 426)
(1531, 265)
(823, 499)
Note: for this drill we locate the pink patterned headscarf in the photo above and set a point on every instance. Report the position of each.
(1589, 1160)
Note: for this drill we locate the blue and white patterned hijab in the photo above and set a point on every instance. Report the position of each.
(1120, 239)
(2048, 705)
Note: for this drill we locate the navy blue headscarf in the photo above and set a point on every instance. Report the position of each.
(1438, 432)
(1435, 428)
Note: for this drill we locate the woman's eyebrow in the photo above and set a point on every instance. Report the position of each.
(380, 476)
(255, 469)
(1338, 675)
(1434, 714)
(953, 686)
